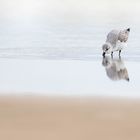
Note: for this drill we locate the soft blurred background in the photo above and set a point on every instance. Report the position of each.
(29, 10)
(58, 28)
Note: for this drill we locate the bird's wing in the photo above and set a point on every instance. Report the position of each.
(123, 37)
(112, 37)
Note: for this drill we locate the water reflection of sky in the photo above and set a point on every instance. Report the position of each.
(68, 78)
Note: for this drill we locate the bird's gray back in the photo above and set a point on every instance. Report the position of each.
(112, 37)
(123, 36)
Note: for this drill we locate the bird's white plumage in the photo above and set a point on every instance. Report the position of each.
(116, 41)
(119, 46)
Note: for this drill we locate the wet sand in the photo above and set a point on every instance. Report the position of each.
(69, 118)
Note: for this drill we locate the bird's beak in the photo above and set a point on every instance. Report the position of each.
(103, 54)
(128, 79)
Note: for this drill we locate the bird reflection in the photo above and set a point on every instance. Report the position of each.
(115, 69)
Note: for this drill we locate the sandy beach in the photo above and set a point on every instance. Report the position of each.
(69, 118)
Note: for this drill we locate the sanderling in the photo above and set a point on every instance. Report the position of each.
(116, 40)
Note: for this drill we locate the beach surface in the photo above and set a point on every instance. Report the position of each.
(69, 118)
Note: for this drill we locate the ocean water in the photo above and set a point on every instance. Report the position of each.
(82, 41)
(54, 48)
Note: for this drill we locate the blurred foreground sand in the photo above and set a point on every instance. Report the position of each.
(69, 119)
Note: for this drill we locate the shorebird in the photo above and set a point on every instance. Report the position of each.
(116, 40)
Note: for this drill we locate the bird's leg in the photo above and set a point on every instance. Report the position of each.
(119, 53)
(119, 57)
(111, 54)
(103, 54)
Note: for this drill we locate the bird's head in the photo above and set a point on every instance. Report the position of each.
(106, 47)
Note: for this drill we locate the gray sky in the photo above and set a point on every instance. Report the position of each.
(26, 9)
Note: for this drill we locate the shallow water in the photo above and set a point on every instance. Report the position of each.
(80, 41)
(57, 51)
(68, 78)
(65, 60)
